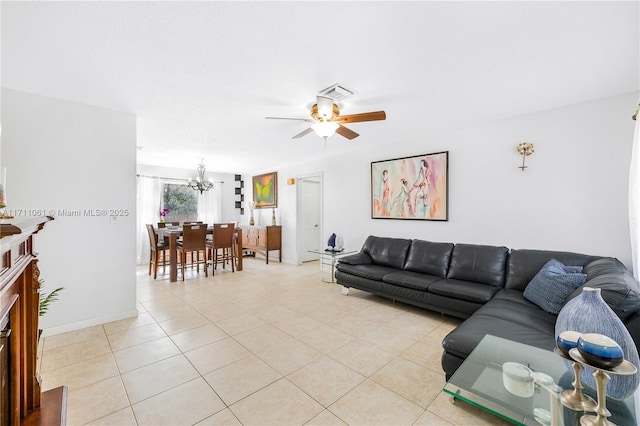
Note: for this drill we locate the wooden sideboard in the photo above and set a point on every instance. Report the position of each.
(21, 401)
(262, 240)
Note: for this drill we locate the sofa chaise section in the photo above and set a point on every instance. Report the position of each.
(511, 316)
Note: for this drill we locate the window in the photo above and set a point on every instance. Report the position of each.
(181, 201)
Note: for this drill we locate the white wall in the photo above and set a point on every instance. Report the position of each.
(67, 156)
(573, 195)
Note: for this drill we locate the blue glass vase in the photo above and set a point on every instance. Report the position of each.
(589, 313)
(332, 241)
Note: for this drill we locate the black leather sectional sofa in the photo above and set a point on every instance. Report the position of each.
(483, 285)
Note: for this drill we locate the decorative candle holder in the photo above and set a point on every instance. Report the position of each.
(602, 380)
(575, 399)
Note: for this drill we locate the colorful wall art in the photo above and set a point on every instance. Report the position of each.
(265, 190)
(411, 187)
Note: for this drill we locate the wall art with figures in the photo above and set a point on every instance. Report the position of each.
(411, 187)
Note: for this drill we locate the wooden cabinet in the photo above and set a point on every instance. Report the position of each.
(20, 397)
(262, 240)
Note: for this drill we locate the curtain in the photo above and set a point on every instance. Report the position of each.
(149, 197)
(148, 206)
(634, 200)
(209, 203)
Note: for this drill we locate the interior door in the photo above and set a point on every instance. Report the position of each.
(310, 217)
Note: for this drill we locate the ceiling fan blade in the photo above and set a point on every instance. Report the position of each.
(303, 133)
(347, 133)
(365, 116)
(308, 120)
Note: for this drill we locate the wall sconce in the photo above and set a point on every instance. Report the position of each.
(525, 149)
(291, 181)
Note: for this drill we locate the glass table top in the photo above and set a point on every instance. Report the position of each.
(480, 381)
(333, 252)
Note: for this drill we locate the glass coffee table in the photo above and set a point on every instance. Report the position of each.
(328, 259)
(480, 381)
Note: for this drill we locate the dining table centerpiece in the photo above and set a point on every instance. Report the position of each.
(163, 213)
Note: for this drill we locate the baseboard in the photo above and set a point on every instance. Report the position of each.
(88, 323)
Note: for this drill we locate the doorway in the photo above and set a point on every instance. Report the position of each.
(309, 216)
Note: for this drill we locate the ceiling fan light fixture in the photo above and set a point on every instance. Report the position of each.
(323, 111)
(327, 120)
(325, 129)
(325, 107)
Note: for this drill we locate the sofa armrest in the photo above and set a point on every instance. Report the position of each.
(361, 258)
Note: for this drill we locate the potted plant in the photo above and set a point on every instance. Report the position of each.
(47, 298)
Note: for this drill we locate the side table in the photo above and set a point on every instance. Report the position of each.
(329, 258)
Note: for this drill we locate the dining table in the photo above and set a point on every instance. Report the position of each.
(172, 234)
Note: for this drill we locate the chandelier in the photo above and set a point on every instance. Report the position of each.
(200, 184)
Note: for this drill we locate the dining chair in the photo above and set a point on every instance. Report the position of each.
(156, 249)
(194, 241)
(222, 248)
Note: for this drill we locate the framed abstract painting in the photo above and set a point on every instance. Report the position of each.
(411, 187)
(265, 190)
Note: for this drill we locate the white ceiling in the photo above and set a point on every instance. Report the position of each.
(201, 76)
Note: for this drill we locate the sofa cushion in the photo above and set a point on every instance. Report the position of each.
(463, 290)
(429, 258)
(360, 258)
(523, 265)
(604, 265)
(618, 287)
(352, 281)
(551, 286)
(476, 263)
(567, 269)
(517, 320)
(391, 252)
(410, 279)
(372, 272)
(514, 296)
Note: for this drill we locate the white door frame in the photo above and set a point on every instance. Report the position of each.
(318, 176)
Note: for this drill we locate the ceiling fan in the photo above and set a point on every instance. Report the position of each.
(327, 120)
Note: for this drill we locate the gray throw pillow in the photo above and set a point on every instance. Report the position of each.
(551, 286)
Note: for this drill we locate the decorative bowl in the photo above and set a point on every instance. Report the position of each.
(567, 340)
(600, 351)
(518, 379)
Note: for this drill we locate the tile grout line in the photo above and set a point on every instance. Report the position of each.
(304, 311)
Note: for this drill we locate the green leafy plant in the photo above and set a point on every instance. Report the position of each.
(47, 298)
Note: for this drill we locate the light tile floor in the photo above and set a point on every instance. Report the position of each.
(271, 345)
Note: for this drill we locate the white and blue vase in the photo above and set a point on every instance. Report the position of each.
(589, 313)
